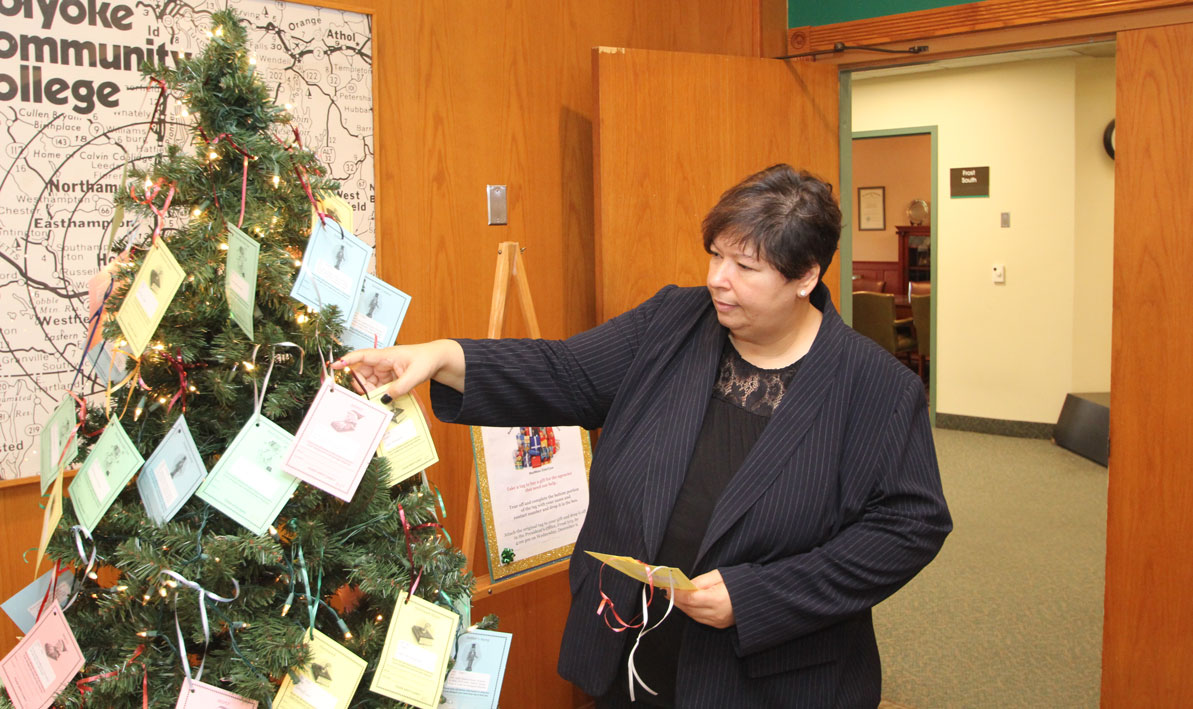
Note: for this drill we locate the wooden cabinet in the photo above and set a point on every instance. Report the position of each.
(915, 255)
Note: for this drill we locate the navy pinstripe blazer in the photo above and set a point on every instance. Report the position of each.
(837, 505)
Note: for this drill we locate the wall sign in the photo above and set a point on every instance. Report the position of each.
(969, 182)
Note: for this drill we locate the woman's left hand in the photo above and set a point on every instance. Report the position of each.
(709, 605)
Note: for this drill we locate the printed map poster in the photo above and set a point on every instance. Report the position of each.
(533, 485)
(72, 107)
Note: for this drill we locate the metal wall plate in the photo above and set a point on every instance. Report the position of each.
(497, 208)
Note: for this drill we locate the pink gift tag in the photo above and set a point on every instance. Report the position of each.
(43, 662)
(197, 695)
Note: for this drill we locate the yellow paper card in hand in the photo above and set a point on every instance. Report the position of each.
(659, 576)
(149, 296)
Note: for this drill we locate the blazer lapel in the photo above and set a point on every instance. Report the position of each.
(785, 430)
(679, 413)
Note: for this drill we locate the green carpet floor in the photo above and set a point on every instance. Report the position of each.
(1010, 613)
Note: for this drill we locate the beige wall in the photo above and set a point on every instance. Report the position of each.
(1010, 351)
(903, 165)
(1093, 234)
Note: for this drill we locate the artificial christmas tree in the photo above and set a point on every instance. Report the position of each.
(246, 605)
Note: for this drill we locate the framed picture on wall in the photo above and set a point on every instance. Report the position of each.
(871, 208)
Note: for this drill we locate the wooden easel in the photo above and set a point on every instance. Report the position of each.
(509, 264)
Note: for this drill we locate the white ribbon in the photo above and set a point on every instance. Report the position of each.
(204, 594)
(88, 559)
(632, 672)
(259, 401)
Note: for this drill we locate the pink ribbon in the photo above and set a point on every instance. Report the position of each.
(151, 192)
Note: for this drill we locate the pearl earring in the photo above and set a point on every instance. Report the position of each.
(803, 294)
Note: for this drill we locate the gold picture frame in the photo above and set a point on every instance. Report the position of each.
(528, 505)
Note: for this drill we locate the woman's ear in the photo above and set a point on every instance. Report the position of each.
(808, 281)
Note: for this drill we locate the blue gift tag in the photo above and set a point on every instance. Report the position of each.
(171, 474)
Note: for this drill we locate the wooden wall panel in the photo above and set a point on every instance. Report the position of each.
(501, 92)
(20, 529)
(676, 130)
(1148, 632)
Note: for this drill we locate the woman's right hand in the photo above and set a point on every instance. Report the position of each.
(404, 367)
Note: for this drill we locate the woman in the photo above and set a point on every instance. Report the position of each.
(751, 438)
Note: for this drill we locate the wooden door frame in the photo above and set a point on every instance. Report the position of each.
(846, 250)
(986, 27)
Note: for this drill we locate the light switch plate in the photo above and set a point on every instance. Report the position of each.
(497, 205)
(999, 273)
(1006, 220)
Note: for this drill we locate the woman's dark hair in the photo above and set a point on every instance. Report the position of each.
(789, 217)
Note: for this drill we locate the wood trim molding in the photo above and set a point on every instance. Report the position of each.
(1006, 20)
(770, 28)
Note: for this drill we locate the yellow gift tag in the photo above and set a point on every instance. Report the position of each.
(659, 576)
(335, 207)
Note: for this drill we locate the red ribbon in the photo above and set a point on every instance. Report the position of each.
(84, 689)
(415, 577)
(302, 179)
(301, 173)
(50, 588)
(244, 178)
(244, 190)
(606, 601)
(179, 366)
(151, 192)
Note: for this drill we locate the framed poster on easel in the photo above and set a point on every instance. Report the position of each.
(533, 486)
(530, 492)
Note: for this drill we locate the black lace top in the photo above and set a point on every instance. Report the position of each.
(743, 399)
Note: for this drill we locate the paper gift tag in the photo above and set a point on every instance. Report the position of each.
(333, 268)
(25, 604)
(102, 364)
(171, 474)
(660, 576)
(198, 695)
(336, 440)
(380, 309)
(414, 658)
(39, 667)
(407, 443)
(475, 680)
(328, 682)
(248, 483)
(335, 207)
(108, 468)
(57, 443)
(240, 277)
(49, 519)
(149, 296)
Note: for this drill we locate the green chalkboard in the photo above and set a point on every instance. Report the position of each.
(803, 13)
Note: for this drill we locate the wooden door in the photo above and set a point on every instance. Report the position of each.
(673, 132)
(1147, 652)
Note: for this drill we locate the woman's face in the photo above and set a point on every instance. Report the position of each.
(751, 297)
